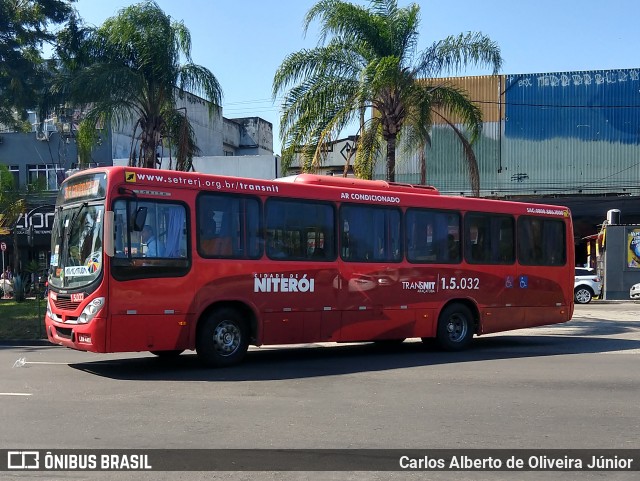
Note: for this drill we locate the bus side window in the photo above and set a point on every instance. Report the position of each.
(432, 236)
(554, 242)
(228, 226)
(541, 241)
(370, 233)
(296, 227)
(478, 242)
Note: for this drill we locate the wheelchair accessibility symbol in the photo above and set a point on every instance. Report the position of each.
(524, 282)
(508, 282)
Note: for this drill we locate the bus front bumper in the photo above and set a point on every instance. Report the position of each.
(83, 337)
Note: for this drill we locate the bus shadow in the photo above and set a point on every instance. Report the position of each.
(331, 360)
(599, 327)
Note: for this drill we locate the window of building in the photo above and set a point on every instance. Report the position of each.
(15, 172)
(48, 175)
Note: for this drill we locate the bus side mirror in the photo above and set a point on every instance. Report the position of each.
(140, 219)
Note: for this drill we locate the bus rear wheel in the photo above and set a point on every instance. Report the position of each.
(455, 328)
(222, 338)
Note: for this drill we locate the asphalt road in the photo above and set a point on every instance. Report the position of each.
(570, 386)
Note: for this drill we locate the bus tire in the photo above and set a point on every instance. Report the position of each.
(455, 328)
(167, 354)
(222, 339)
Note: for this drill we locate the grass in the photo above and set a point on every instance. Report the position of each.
(20, 320)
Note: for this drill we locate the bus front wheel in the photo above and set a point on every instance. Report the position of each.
(455, 328)
(222, 338)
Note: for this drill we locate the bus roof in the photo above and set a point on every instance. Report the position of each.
(415, 193)
(334, 181)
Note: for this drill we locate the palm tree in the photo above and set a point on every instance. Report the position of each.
(129, 70)
(366, 57)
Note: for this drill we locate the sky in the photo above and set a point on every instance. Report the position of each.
(244, 41)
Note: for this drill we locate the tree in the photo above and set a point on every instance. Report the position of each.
(129, 70)
(24, 28)
(366, 58)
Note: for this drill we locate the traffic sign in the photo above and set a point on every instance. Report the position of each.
(3, 246)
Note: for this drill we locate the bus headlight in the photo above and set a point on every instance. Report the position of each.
(49, 311)
(91, 310)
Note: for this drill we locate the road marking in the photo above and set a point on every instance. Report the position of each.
(46, 362)
(15, 394)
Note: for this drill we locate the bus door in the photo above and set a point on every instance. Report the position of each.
(370, 287)
(150, 290)
(296, 289)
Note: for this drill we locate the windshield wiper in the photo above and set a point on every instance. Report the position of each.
(75, 216)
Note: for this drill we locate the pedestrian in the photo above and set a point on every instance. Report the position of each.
(7, 274)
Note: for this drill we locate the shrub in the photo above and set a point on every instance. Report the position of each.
(18, 288)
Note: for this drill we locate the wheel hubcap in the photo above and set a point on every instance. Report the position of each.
(226, 338)
(583, 296)
(457, 328)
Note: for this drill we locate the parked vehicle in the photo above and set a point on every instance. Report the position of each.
(634, 292)
(588, 285)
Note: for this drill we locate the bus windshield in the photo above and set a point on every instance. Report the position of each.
(76, 246)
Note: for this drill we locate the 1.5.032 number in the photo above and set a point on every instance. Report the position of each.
(460, 283)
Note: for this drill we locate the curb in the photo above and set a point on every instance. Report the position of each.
(614, 301)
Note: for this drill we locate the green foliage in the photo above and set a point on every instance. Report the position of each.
(32, 266)
(11, 203)
(86, 139)
(129, 70)
(24, 74)
(366, 59)
(7, 183)
(23, 320)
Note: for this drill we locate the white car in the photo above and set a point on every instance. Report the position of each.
(587, 285)
(634, 292)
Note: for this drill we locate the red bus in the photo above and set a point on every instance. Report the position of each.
(166, 261)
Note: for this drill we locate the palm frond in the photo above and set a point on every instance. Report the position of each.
(366, 56)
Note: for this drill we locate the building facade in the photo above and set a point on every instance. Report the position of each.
(561, 133)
